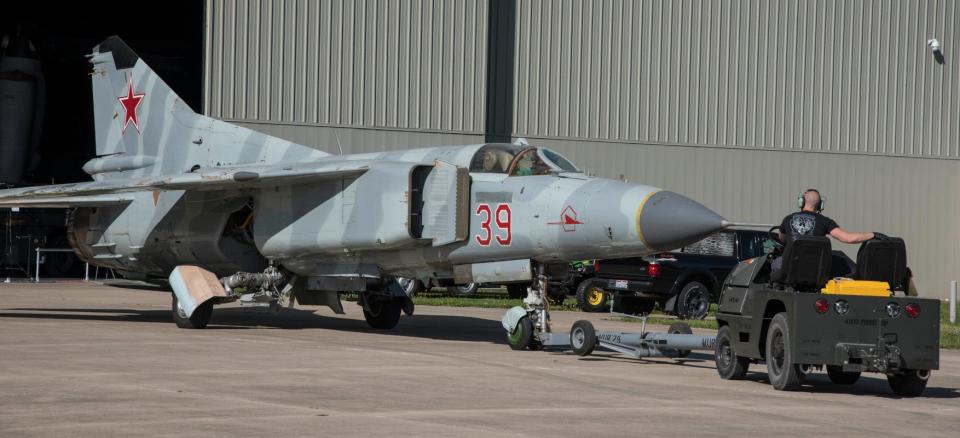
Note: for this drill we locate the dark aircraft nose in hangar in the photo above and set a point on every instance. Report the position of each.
(669, 221)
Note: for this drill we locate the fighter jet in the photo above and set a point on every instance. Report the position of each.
(225, 213)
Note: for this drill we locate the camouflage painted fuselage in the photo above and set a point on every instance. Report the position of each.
(171, 187)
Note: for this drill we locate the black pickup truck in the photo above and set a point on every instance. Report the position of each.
(683, 282)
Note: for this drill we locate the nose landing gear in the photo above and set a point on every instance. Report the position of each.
(528, 326)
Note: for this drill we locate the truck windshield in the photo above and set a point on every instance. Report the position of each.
(720, 244)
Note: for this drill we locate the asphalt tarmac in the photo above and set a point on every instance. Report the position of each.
(90, 360)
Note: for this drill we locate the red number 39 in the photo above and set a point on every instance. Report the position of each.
(501, 217)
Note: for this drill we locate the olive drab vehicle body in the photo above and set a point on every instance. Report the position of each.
(788, 320)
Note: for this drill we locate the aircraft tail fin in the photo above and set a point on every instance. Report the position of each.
(128, 98)
(141, 124)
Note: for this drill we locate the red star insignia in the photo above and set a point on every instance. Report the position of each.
(130, 103)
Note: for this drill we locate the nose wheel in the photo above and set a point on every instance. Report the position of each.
(522, 337)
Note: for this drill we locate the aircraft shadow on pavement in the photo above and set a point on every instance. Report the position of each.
(438, 327)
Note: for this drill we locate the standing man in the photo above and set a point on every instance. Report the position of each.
(809, 222)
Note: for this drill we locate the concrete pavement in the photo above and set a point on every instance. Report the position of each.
(90, 360)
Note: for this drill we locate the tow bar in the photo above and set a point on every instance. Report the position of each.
(678, 342)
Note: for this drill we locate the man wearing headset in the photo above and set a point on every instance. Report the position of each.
(809, 222)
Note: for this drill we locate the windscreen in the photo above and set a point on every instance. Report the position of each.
(519, 160)
(559, 161)
(495, 158)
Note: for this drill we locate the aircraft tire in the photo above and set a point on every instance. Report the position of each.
(782, 369)
(464, 290)
(410, 286)
(199, 319)
(522, 336)
(729, 365)
(840, 377)
(384, 314)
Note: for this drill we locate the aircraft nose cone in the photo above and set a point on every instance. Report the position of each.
(669, 221)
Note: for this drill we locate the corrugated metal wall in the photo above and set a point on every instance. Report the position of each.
(401, 64)
(852, 76)
(737, 103)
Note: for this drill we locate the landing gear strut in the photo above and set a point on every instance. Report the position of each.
(528, 327)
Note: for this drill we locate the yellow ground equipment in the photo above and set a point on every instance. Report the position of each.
(848, 286)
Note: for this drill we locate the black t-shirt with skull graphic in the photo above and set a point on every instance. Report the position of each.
(807, 223)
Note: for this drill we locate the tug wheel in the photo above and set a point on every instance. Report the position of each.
(729, 365)
(583, 338)
(909, 383)
(680, 328)
(782, 369)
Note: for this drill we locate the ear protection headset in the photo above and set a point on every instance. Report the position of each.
(818, 207)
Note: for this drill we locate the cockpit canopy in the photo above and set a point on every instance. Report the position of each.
(519, 160)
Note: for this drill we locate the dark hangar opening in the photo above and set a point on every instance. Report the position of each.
(167, 35)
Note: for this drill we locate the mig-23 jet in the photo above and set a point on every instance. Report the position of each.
(225, 213)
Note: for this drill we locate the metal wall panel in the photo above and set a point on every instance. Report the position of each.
(850, 76)
(395, 64)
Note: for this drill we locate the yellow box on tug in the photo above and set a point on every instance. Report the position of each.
(849, 286)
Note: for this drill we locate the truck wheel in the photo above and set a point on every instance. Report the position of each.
(522, 336)
(693, 302)
(590, 297)
(729, 365)
(680, 328)
(517, 291)
(840, 377)
(384, 313)
(909, 383)
(583, 338)
(782, 369)
(199, 319)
